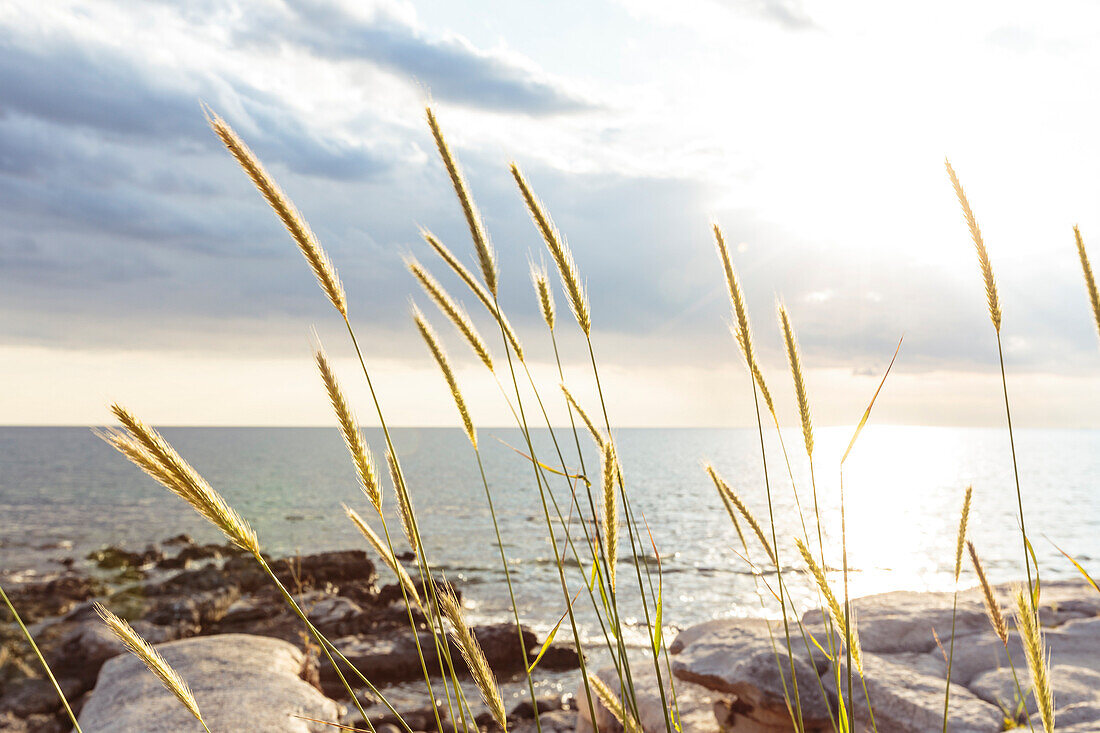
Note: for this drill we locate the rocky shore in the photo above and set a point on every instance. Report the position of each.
(218, 617)
(219, 621)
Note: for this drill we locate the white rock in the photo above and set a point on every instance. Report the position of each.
(240, 682)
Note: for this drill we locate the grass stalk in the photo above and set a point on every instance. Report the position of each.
(41, 660)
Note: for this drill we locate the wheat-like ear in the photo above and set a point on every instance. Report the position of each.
(794, 359)
(353, 438)
(962, 532)
(384, 553)
(485, 255)
(478, 289)
(597, 436)
(452, 310)
(728, 494)
(152, 659)
(610, 469)
(440, 355)
(835, 610)
(546, 296)
(992, 608)
(474, 656)
(147, 449)
(559, 251)
(1090, 281)
(743, 330)
(1027, 621)
(614, 705)
(979, 247)
(404, 505)
(284, 208)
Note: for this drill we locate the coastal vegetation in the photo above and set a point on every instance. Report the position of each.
(593, 527)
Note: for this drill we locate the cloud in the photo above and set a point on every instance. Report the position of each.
(450, 67)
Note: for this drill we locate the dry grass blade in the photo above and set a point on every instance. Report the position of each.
(485, 255)
(979, 247)
(609, 469)
(597, 436)
(478, 289)
(474, 656)
(404, 506)
(1090, 281)
(961, 540)
(145, 447)
(284, 208)
(728, 494)
(152, 659)
(830, 600)
(452, 310)
(1027, 621)
(992, 608)
(546, 296)
(384, 553)
(559, 251)
(353, 438)
(743, 331)
(870, 405)
(614, 704)
(794, 359)
(440, 355)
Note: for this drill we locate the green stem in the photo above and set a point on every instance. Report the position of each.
(1016, 474)
(950, 656)
(42, 660)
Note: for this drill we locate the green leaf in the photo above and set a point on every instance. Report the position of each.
(1077, 565)
(657, 620)
(549, 639)
(867, 412)
(1035, 562)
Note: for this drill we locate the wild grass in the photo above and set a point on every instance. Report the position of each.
(589, 520)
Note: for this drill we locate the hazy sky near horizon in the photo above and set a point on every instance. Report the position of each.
(138, 264)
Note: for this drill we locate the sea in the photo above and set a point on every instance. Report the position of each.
(64, 492)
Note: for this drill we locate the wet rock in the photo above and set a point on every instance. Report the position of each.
(558, 657)
(240, 682)
(524, 710)
(327, 568)
(178, 540)
(36, 601)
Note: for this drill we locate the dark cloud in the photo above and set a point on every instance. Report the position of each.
(450, 68)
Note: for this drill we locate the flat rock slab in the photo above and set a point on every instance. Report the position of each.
(240, 682)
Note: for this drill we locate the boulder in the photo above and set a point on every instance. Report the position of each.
(240, 682)
(737, 657)
(88, 644)
(695, 703)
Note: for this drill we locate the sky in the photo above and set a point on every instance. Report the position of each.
(138, 264)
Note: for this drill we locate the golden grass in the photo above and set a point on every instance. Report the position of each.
(541, 282)
(485, 255)
(961, 539)
(609, 471)
(729, 495)
(452, 310)
(743, 331)
(979, 247)
(478, 289)
(284, 208)
(614, 705)
(474, 656)
(559, 251)
(794, 359)
(1027, 622)
(150, 452)
(597, 436)
(349, 429)
(152, 659)
(384, 552)
(1090, 281)
(835, 610)
(992, 608)
(404, 506)
(440, 356)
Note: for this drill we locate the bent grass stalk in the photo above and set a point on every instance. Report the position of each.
(153, 660)
(41, 660)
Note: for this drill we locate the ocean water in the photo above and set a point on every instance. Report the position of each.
(903, 492)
